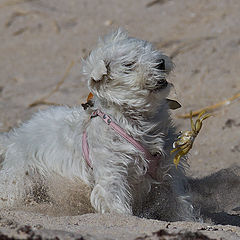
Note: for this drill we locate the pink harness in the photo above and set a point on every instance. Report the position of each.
(153, 160)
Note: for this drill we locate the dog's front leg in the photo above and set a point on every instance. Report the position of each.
(111, 194)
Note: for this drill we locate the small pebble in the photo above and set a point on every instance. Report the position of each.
(108, 23)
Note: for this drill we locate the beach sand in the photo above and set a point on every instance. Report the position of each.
(42, 44)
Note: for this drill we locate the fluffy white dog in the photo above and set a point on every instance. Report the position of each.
(119, 144)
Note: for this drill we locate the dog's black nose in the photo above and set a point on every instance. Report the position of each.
(161, 65)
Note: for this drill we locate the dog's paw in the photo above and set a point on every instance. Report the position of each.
(98, 201)
(104, 201)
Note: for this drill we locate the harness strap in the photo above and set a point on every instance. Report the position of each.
(153, 160)
(85, 149)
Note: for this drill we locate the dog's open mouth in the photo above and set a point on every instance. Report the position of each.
(173, 104)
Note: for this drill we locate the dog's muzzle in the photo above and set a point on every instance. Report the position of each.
(161, 84)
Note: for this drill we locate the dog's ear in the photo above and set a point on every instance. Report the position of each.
(99, 71)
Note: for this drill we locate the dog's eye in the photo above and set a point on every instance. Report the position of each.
(161, 65)
(107, 65)
(129, 64)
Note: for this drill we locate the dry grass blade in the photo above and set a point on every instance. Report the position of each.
(21, 13)
(62, 80)
(15, 2)
(211, 108)
(20, 31)
(150, 4)
(178, 46)
(42, 101)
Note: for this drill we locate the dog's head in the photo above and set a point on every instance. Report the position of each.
(126, 71)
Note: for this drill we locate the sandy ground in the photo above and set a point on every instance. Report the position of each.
(42, 44)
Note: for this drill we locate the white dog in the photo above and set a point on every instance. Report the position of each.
(119, 144)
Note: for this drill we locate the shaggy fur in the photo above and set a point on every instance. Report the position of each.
(128, 79)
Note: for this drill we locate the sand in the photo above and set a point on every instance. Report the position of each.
(42, 44)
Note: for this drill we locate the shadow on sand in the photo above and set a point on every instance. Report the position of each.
(218, 196)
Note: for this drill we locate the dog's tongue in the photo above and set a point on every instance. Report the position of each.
(173, 104)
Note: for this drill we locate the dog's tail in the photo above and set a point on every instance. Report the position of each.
(218, 196)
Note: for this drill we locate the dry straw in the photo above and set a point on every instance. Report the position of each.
(211, 108)
(43, 101)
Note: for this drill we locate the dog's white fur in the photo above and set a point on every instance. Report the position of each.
(124, 76)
